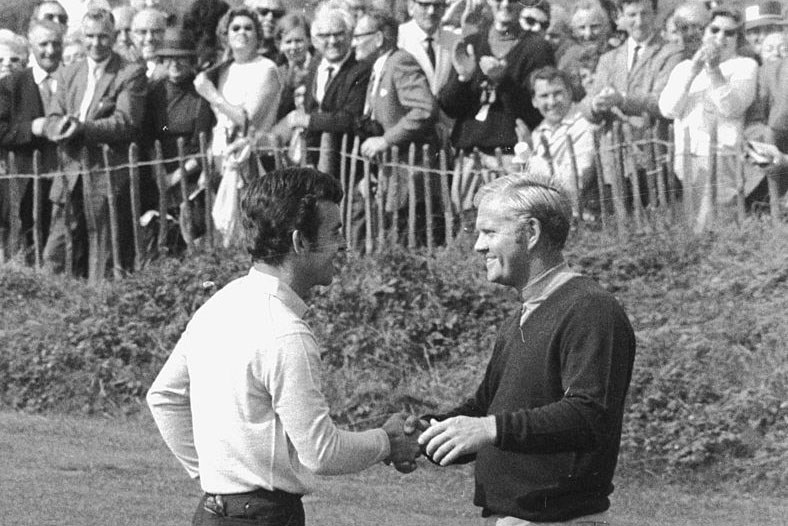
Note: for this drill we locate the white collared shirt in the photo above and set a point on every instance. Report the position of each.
(39, 75)
(95, 70)
(239, 400)
(377, 73)
(631, 45)
(322, 76)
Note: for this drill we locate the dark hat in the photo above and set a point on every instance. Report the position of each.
(763, 13)
(177, 43)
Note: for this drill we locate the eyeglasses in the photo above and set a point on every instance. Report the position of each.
(531, 21)
(145, 31)
(727, 32)
(685, 27)
(52, 17)
(12, 60)
(236, 28)
(362, 35)
(277, 13)
(325, 36)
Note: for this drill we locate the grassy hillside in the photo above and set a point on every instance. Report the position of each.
(708, 394)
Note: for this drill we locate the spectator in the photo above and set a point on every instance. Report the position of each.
(202, 20)
(670, 32)
(244, 90)
(552, 96)
(53, 11)
(73, 49)
(487, 94)
(174, 110)
(708, 95)
(24, 97)
(399, 109)
(762, 18)
(774, 47)
(164, 6)
(336, 96)
(627, 84)
(591, 24)
(690, 18)
(535, 16)
(293, 36)
(124, 42)
(99, 100)
(147, 31)
(268, 13)
(559, 33)
(13, 53)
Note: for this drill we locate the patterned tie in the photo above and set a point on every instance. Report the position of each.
(430, 50)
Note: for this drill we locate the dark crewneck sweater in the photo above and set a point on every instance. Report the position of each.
(558, 398)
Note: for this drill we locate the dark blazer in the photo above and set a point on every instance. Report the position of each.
(114, 118)
(20, 104)
(343, 102)
(403, 103)
(462, 100)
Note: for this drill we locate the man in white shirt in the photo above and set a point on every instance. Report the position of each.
(239, 401)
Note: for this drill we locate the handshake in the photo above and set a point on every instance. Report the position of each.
(442, 442)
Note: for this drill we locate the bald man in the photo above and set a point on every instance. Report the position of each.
(147, 32)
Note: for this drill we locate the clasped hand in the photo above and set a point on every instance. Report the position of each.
(59, 129)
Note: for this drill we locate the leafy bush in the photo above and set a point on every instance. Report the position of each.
(414, 332)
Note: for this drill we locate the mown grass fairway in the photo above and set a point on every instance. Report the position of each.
(77, 471)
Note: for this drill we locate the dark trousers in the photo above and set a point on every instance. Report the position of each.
(256, 508)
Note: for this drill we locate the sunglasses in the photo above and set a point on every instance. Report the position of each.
(427, 5)
(237, 27)
(264, 12)
(727, 32)
(531, 21)
(52, 17)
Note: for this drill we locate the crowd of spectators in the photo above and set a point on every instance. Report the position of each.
(506, 79)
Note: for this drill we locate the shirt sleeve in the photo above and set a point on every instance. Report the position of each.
(169, 402)
(597, 348)
(673, 99)
(293, 382)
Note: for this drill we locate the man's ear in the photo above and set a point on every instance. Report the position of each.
(299, 242)
(535, 231)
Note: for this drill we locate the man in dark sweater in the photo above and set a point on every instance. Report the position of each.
(544, 426)
(488, 92)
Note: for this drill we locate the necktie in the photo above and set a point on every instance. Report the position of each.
(90, 90)
(46, 91)
(430, 51)
(635, 56)
(329, 75)
(370, 94)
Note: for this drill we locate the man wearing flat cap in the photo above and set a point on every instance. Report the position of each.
(175, 110)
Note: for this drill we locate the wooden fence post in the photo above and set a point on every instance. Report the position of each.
(448, 217)
(343, 177)
(368, 219)
(37, 207)
(112, 204)
(411, 197)
(273, 140)
(394, 191)
(425, 164)
(600, 181)
(774, 196)
(670, 169)
(14, 208)
(350, 194)
(741, 209)
(380, 200)
(69, 242)
(134, 189)
(617, 179)
(95, 265)
(206, 160)
(688, 182)
(185, 208)
(655, 168)
(711, 181)
(161, 183)
(577, 203)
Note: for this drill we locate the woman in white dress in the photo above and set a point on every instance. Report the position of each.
(708, 95)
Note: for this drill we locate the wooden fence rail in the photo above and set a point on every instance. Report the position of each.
(379, 194)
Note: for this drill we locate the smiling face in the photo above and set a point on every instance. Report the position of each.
(502, 243)
(147, 32)
(553, 99)
(294, 45)
(722, 32)
(590, 25)
(241, 34)
(10, 61)
(268, 13)
(47, 47)
(427, 14)
(99, 37)
(638, 19)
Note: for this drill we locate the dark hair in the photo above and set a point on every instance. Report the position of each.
(654, 4)
(280, 202)
(541, 5)
(550, 73)
(292, 21)
(202, 19)
(39, 5)
(386, 24)
(227, 18)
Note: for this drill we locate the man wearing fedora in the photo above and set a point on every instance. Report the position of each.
(761, 19)
(174, 110)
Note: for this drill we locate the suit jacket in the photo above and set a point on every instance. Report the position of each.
(115, 118)
(642, 87)
(411, 39)
(403, 103)
(773, 94)
(20, 104)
